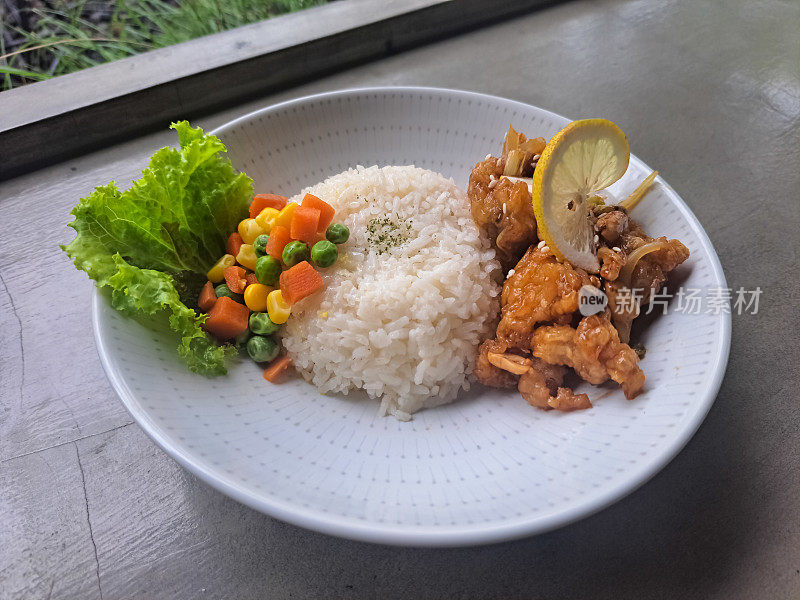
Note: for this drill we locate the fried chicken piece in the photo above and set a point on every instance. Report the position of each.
(611, 262)
(632, 237)
(517, 227)
(651, 271)
(593, 350)
(615, 228)
(612, 225)
(540, 383)
(649, 274)
(487, 373)
(620, 237)
(541, 386)
(503, 210)
(541, 290)
(540, 297)
(566, 400)
(480, 186)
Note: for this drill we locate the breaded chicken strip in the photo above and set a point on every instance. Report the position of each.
(540, 383)
(593, 350)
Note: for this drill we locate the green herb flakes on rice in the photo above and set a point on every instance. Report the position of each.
(415, 293)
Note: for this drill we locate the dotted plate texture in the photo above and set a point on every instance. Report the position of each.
(485, 468)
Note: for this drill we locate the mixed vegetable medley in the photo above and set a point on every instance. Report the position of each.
(156, 248)
(265, 270)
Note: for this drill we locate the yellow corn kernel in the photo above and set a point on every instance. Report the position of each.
(255, 296)
(284, 217)
(249, 230)
(247, 257)
(266, 217)
(277, 308)
(217, 273)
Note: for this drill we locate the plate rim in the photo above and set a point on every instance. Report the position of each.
(428, 536)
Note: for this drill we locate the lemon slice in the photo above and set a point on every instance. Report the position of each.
(581, 159)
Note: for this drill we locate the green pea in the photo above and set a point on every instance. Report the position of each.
(268, 270)
(260, 244)
(324, 253)
(295, 252)
(262, 349)
(261, 324)
(337, 233)
(223, 290)
(242, 338)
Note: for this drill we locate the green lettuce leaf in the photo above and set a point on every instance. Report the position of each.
(138, 291)
(170, 226)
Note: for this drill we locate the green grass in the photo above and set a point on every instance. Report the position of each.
(67, 35)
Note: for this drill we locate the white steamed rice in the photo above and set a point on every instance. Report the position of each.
(404, 324)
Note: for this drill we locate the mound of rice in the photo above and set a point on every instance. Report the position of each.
(413, 294)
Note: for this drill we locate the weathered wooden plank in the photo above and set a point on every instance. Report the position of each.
(53, 120)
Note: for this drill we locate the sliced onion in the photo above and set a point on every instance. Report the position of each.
(512, 140)
(515, 162)
(528, 181)
(636, 195)
(519, 153)
(626, 272)
(509, 362)
(623, 325)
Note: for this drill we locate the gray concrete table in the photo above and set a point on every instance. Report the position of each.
(708, 92)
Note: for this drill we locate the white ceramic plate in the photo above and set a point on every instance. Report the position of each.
(483, 469)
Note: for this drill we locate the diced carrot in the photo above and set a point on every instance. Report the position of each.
(278, 238)
(235, 278)
(235, 242)
(226, 319)
(304, 224)
(277, 368)
(317, 237)
(251, 278)
(300, 281)
(207, 297)
(262, 201)
(325, 211)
